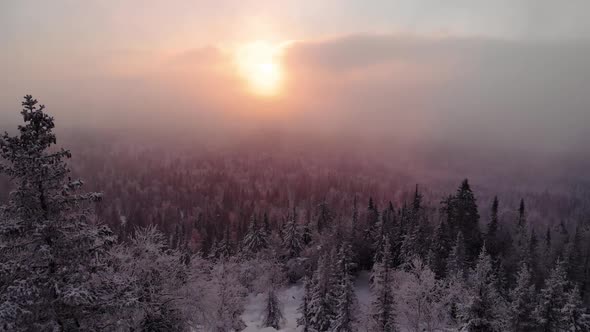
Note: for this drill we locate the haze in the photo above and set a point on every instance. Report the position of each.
(500, 75)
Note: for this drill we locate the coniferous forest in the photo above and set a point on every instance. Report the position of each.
(131, 237)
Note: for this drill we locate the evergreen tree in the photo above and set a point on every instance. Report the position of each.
(485, 308)
(493, 247)
(306, 233)
(362, 238)
(463, 216)
(273, 313)
(51, 255)
(304, 308)
(255, 239)
(574, 258)
(552, 299)
(456, 263)
(574, 314)
(372, 234)
(522, 302)
(345, 314)
(322, 302)
(325, 217)
(521, 223)
(382, 311)
(441, 248)
(222, 248)
(292, 237)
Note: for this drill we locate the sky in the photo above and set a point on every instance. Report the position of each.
(505, 71)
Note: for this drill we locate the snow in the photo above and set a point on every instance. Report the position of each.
(291, 298)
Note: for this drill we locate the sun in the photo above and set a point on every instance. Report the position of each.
(259, 64)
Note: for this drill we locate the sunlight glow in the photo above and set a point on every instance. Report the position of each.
(258, 63)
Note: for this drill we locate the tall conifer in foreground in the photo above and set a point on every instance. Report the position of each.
(51, 252)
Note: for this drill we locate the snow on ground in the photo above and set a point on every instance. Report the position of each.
(291, 298)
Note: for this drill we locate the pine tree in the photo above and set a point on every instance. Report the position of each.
(521, 223)
(552, 299)
(522, 302)
(322, 302)
(304, 308)
(463, 216)
(325, 216)
(574, 258)
(485, 309)
(493, 247)
(273, 313)
(416, 241)
(255, 239)
(306, 233)
(292, 237)
(522, 236)
(382, 311)
(362, 238)
(345, 314)
(456, 263)
(441, 248)
(222, 248)
(52, 255)
(271, 279)
(574, 314)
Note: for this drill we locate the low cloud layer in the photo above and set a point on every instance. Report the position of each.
(462, 91)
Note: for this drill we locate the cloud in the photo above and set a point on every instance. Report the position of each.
(461, 90)
(447, 90)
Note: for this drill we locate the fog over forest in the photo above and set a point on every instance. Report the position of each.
(295, 166)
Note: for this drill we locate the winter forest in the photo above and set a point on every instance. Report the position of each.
(121, 236)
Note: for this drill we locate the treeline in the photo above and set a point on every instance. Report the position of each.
(433, 267)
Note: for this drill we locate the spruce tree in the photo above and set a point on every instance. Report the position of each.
(464, 216)
(304, 308)
(382, 311)
(574, 314)
(552, 299)
(346, 311)
(255, 239)
(522, 302)
(223, 248)
(325, 217)
(322, 302)
(485, 308)
(52, 255)
(273, 313)
(493, 247)
(521, 223)
(292, 237)
(440, 248)
(456, 263)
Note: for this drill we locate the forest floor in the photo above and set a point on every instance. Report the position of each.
(291, 298)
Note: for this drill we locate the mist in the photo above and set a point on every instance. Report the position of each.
(440, 91)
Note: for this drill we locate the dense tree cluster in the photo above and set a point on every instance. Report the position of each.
(172, 265)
